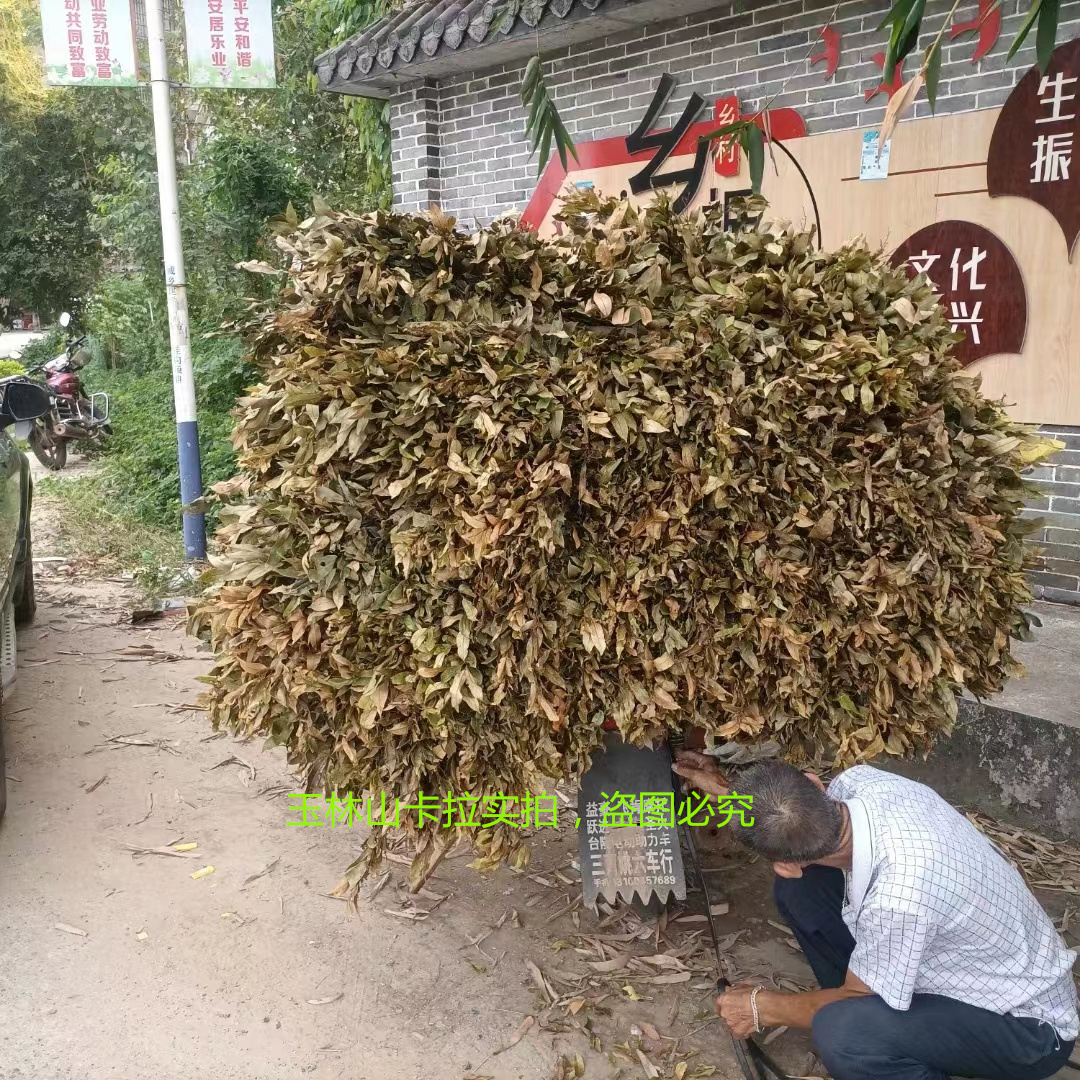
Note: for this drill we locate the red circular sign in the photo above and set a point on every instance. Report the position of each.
(1031, 150)
(981, 287)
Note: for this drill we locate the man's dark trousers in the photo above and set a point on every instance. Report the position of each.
(865, 1039)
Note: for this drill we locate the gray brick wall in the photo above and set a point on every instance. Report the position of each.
(461, 142)
(476, 158)
(1059, 513)
(414, 146)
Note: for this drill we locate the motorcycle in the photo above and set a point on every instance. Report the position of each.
(72, 416)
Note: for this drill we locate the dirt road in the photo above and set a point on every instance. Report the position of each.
(12, 342)
(170, 976)
(123, 965)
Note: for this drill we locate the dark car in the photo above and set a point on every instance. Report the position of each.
(21, 402)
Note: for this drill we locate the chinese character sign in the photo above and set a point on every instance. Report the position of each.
(88, 42)
(1031, 150)
(627, 826)
(981, 287)
(230, 43)
(726, 111)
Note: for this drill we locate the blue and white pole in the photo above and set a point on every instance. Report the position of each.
(187, 431)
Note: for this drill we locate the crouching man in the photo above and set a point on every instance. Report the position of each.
(934, 959)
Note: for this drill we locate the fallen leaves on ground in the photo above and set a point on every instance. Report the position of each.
(1044, 863)
(70, 929)
(519, 1034)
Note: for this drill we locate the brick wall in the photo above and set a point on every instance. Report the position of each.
(460, 143)
(479, 160)
(1059, 511)
(415, 145)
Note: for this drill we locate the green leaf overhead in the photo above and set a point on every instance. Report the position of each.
(1025, 29)
(543, 123)
(1046, 33)
(755, 155)
(904, 20)
(933, 73)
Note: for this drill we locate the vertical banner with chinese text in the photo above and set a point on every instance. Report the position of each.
(88, 42)
(230, 43)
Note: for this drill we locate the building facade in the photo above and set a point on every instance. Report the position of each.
(452, 73)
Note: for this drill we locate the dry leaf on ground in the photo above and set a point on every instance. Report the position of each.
(518, 1035)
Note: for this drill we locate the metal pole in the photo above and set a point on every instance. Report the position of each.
(187, 431)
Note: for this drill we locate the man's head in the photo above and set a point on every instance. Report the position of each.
(795, 823)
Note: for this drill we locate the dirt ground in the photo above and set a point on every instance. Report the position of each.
(120, 964)
(172, 976)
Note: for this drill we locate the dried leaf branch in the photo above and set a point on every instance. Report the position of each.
(495, 490)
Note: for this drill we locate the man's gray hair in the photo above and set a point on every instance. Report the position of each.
(794, 821)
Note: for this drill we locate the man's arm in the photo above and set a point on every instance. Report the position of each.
(779, 1009)
(702, 771)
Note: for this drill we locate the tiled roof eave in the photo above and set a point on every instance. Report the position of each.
(427, 34)
(438, 38)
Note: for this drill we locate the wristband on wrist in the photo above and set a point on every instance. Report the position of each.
(753, 1006)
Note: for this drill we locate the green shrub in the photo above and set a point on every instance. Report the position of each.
(140, 459)
(11, 367)
(128, 322)
(41, 349)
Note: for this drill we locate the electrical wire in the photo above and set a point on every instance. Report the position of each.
(753, 1061)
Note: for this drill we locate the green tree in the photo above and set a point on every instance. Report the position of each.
(81, 163)
(49, 254)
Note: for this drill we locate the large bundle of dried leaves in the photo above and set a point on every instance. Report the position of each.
(496, 491)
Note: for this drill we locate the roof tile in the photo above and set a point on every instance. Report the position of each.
(423, 28)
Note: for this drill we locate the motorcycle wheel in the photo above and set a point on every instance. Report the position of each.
(50, 451)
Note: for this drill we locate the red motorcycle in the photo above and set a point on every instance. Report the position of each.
(72, 417)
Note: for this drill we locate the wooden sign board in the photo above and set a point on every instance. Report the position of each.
(937, 173)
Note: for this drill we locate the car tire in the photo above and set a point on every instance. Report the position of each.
(3, 778)
(25, 602)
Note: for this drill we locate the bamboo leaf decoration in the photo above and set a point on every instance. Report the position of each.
(932, 66)
(904, 20)
(544, 123)
(752, 141)
(748, 134)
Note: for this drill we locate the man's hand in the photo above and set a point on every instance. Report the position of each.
(779, 1009)
(733, 1007)
(702, 771)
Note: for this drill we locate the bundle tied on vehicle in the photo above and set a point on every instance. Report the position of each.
(498, 490)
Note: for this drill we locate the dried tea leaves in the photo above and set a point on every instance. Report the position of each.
(496, 491)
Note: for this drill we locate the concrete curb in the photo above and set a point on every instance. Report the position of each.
(1015, 767)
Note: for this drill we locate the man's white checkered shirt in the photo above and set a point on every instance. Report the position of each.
(935, 909)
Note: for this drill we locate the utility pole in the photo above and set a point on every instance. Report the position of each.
(187, 429)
